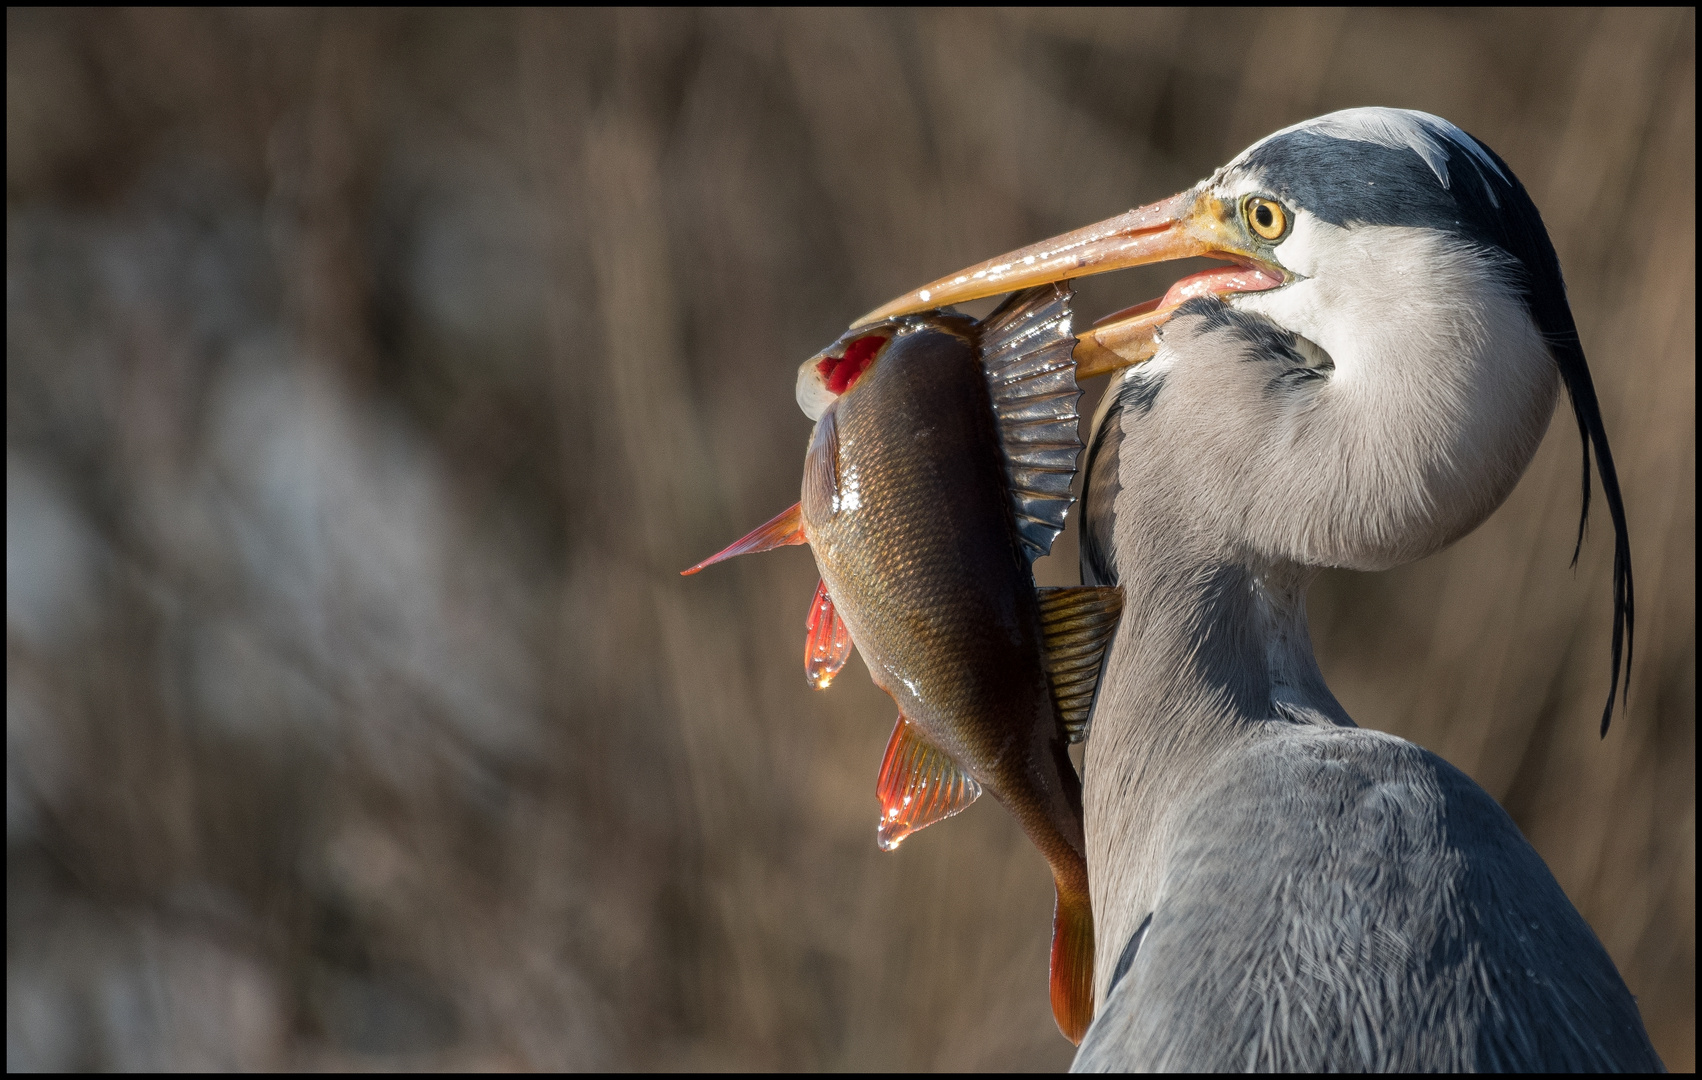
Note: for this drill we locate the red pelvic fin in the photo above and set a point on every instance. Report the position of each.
(828, 644)
(1072, 965)
(787, 528)
(919, 785)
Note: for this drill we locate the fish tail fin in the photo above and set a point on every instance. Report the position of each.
(1072, 962)
(785, 528)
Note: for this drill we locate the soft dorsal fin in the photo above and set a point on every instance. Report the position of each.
(1076, 625)
(1027, 354)
(828, 644)
(919, 785)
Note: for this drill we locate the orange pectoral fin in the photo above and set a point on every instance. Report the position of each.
(919, 785)
(787, 528)
(821, 468)
(828, 644)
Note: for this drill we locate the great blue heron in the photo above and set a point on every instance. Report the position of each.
(1273, 887)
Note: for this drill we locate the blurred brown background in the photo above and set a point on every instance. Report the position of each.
(370, 375)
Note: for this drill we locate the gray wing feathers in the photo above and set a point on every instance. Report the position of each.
(1027, 351)
(1344, 900)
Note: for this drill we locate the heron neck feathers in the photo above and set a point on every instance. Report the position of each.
(1225, 476)
(1211, 655)
(1441, 390)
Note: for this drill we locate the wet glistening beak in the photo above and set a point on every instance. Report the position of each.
(1192, 224)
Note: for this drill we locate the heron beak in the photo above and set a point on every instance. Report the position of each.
(1193, 224)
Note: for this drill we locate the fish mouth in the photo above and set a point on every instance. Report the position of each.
(826, 376)
(1195, 223)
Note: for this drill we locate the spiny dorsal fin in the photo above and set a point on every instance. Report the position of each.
(919, 785)
(1076, 625)
(1027, 354)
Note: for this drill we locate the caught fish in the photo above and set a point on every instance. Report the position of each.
(938, 470)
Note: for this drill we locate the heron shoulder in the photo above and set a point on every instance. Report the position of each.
(1343, 899)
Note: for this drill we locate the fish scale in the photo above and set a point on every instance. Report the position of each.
(939, 468)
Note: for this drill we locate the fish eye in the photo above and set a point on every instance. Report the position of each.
(1266, 217)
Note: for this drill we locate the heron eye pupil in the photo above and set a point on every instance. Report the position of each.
(1265, 217)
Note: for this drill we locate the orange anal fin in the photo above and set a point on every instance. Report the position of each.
(919, 785)
(828, 644)
(1072, 965)
(786, 528)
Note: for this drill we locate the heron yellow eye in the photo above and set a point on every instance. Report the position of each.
(1266, 218)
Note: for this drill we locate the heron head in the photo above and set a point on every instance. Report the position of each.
(1400, 258)
(1285, 212)
(1406, 263)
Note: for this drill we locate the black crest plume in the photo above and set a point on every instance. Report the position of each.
(1523, 235)
(1486, 205)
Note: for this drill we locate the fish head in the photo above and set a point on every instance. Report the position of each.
(830, 374)
(824, 377)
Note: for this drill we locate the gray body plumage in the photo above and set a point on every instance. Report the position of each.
(1342, 900)
(1273, 887)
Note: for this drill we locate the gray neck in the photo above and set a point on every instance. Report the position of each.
(1211, 654)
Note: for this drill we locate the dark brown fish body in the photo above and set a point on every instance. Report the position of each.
(939, 467)
(916, 543)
